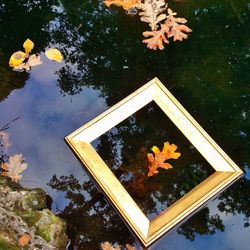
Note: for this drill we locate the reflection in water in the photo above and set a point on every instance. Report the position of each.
(104, 62)
(124, 149)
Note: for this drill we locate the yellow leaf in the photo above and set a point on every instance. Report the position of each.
(158, 159)
(54, 54)
(17, 58)
(28, 46)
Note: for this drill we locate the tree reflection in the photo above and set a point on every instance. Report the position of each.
(90, 219)
(124, 150)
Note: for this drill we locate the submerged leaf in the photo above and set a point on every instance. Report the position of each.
(54, 54)
(125, 4)
(15, 167)
(28, 45)
(158, 159)
(17, 58)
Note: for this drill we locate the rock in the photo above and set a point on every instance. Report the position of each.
(23, 211)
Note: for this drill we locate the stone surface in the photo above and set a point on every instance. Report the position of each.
(24, 211)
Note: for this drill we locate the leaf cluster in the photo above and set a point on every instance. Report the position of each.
(160, 19)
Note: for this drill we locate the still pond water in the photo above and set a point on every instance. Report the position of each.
(105, 61)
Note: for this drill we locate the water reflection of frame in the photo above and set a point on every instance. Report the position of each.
(148, 231)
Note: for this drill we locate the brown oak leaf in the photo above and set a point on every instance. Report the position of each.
(158, 159)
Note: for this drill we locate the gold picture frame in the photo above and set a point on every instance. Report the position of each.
(148, 231)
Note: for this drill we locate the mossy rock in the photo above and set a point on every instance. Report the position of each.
(24, 210)
(6, 245)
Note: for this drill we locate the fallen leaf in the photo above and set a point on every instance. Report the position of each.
(4, 169)
(54, 54)
(22, 66)
(172, 27)
(15, 167)
(107, 246)
(17, 58)
(158, 159)
(24, 240)
(28, 45)
(157, 38)
(151, 12)
(34, 60)
(177, 27)
(125, 4)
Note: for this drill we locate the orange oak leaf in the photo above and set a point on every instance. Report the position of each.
(24, 240)
(125, 4)
(158, 159)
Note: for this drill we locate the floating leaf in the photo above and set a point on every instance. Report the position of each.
(14, 168)
(23, 66)
(28, 45)
(157, 39)
(107, 246)
(158, 159)
(125, 4)
(173, 27)
(24, 240)
(34, 60)
(54, 54)
(17, 58)
(151, 12)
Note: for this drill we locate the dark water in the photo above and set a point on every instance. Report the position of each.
(104, 62)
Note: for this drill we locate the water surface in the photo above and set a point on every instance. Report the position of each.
(105, 61)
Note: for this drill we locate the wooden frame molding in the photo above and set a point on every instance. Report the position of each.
(148, 231)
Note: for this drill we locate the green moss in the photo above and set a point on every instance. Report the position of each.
(31, 218)
(36, 200)
(44, 232)
(4, 245)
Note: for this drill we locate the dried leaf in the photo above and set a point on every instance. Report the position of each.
(151, 12)
(173, 27)
(15, 167)
(28, 45)
(23, 66)
(24, 240)
(125, 4)
(157, 39)
(34, 60)
(107, 246)
(17, 58)
(177, 27)
(158, 159)
(4, 167)
(54, 54)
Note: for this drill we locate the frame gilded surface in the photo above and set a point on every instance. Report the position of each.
(148, 231)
